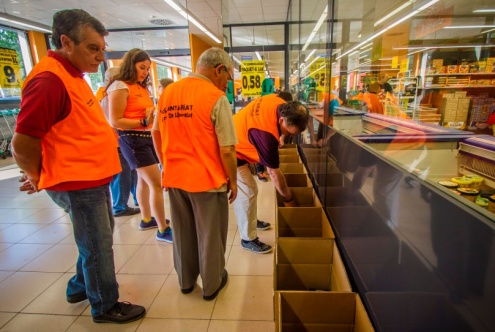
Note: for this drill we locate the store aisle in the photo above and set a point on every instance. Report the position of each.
(37, 257)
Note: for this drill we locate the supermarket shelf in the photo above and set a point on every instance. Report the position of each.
(461, 74)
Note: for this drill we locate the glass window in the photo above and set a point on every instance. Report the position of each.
(15, 61)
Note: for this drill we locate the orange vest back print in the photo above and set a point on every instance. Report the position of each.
(137, 103)
(190, 151)
(261, 114)
(81, 147)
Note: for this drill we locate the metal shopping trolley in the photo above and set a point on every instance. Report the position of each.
(8, 119)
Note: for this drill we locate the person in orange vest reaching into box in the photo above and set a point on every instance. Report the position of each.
(259, 127)
(64, 145)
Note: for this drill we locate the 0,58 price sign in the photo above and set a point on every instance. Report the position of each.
(252, 75)
(10, 71)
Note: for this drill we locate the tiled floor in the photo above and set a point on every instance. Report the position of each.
(37, 257)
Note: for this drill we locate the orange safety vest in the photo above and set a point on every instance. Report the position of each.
(374, 103)
(137, 103)
(190, 151)
(261, 114)
(81, 147)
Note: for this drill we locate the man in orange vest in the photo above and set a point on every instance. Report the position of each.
(259, 127)
(194, 139)
(64, 145)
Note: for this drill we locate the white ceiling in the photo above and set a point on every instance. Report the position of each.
(136, 14)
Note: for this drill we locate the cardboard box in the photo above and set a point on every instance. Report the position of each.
(304, 197)
(284, 152)
(422, 311)
(313, 151)
(288, 146)
(320, 311)
(308, 264)
(297, 180)
(292, 168)
(289, 158)
(302, 222)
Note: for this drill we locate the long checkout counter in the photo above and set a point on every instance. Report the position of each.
(421, 256)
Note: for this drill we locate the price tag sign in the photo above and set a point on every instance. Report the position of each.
(404, 65)
(320, 72)
(395, 62)
(252, 75)
(10, 71)
(455, 125)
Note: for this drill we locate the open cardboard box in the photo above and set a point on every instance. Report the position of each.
(292, 168)
(331, 180)
(309, 264)
(288, 151)
(304, 197)
(320, 312)
(297, 180)
(289, 158)
(302, 222)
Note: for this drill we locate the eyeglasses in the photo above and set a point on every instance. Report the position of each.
(224, 67)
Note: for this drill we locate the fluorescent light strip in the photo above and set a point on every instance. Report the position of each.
(24, 24)
(315, 71)
(469, 26)
(188, 16)
(399, 21)
(171, 64)
(419, 51)
(258, 55)
(439, 46)
(308, 65)
(368, 45)
(316, 28)
(310, 55)
(488, 10)
(392, 13)
(488, 31)
(364, 51)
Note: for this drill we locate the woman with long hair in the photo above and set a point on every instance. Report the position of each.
(132, 114)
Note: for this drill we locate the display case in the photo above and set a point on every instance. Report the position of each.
(421, 257)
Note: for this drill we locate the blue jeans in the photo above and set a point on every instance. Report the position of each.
(92, 220)
(122, 185)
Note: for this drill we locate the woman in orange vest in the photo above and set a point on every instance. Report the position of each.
(132, 113)
(372, 100)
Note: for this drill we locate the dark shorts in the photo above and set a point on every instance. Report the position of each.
(137, 148)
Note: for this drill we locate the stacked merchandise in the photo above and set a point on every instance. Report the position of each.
(482, 108)
(455, 107)
(427, 114)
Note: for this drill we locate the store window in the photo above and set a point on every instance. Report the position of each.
(15, 61)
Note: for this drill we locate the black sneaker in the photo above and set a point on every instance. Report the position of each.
(262, 177)
(225, 277)
(128, 212)
(262, 226)
(256, 246)
(77, 297)
(121, 313)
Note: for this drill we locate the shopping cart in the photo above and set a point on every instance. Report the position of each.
(8, 119)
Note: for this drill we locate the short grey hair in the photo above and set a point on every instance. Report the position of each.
(214, 56)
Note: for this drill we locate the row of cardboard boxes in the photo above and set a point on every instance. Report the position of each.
(312, 291)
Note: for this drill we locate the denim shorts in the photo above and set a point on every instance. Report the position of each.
(137, 148)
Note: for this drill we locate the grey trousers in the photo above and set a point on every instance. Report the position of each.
(200, 224)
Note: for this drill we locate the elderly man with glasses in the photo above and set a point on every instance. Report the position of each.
(194, 138)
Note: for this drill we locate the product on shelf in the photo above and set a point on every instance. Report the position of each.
(448, 184)
(469, 193)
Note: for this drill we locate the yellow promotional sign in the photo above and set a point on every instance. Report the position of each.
(10, 71)
(320, 72)
(395, 62)
(404, 65)
(252, 75)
